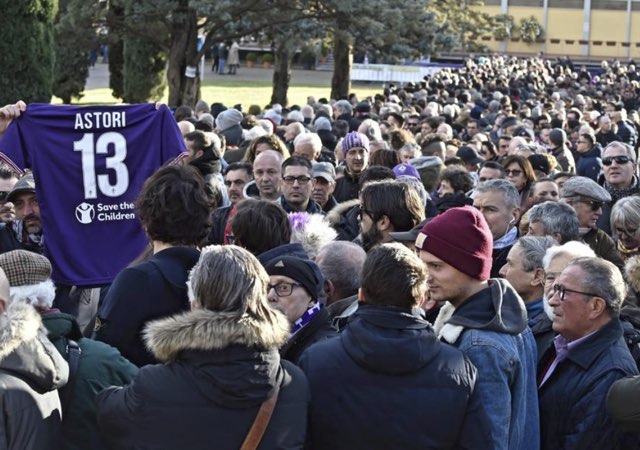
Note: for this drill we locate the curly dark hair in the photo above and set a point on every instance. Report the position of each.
(174, 207)
(260, 225)
(458, 178)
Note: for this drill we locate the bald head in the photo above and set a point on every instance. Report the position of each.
(186, 127)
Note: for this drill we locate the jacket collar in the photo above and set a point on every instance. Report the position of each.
(588, 351)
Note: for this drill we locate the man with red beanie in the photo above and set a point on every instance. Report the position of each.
(487, 320)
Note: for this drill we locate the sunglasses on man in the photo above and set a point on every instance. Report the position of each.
(620, 160)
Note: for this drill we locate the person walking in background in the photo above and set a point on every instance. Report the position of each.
(233, 59)
(215, 53)
(223, 52)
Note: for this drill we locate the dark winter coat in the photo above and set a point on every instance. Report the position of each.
(347, 187)
(604, 221)
(572, 400)
(605, 139)
(603, 246)
(217, 372)
(151, 290)
(99, 367)
(9, 241)
(31, 371)
(312, 206)
(564, 158)
(388, 363)
(627, 133)
(542, 329)
(590, 163)
(344, 219)
(317, 330)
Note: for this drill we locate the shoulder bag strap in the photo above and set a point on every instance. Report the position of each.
(73, 352)
(261, 422)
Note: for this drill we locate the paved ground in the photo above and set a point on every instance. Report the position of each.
(99, 76)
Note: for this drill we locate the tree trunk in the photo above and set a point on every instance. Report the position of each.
(183, 53)
(282, 71)
(343, 58)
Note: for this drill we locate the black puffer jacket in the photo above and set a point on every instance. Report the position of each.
(389, 363)
(208, 392)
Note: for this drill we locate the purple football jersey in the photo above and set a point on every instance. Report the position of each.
(89, 164)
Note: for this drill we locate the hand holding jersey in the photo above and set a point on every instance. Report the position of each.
(89, 164)
(10, 112)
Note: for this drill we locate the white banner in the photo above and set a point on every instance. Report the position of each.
(387, 72)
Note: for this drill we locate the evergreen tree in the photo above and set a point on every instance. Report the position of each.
(115, 27)
(26, 46)
(145, 57)
(73, 41)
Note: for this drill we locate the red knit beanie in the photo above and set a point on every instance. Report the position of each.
(460, 237)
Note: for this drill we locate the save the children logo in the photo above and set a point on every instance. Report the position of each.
(105, 212)
(85, 213)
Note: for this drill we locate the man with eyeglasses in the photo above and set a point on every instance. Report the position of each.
(297, 173)
(295, 289)
(587, 356)
(555, 259)
(620, 179)
(587, 198)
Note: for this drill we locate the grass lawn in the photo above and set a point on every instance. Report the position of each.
(246, 92)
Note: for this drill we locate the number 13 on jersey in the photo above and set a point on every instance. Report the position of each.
(89, 148)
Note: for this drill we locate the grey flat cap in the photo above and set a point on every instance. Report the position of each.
(324, 170)
(586, 188)
(24, 184)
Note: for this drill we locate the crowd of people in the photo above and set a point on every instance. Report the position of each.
(453, 263)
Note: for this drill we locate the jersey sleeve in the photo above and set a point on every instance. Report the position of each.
(13, 151)
(173, 147)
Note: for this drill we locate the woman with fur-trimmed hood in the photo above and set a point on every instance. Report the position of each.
(221, 362)
(31, 371)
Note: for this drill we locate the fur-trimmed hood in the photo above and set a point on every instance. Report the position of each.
(231, 362)
(26, 352)
(334, 216)
(202, 329)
